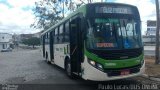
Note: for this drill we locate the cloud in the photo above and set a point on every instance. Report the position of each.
(21, 3)
(15, 19)
(16, 16)
(146, 8)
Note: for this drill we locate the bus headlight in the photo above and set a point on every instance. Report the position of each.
(92, 62)
(95, 64)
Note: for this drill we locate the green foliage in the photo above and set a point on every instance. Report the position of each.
(49, 12)
(31, 41)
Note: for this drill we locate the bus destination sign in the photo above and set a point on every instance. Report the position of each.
(118, 10)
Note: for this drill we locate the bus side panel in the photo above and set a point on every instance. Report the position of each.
(60, 52)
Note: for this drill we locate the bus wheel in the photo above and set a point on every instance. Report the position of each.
(68, 69)
(47, 60)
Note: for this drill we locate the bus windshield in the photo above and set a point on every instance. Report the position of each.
(113, 33)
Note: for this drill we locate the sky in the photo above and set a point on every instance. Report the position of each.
(16, 16)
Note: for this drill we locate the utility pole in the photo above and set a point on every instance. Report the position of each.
(157, 34)
(63, 9)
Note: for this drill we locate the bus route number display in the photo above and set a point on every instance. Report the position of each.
(118, 10)
(100, 45)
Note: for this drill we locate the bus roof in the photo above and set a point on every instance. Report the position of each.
(82, 9)
(111, 3)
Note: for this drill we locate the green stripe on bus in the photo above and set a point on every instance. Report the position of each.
(114, 63)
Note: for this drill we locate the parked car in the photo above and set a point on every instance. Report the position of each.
(7, 50)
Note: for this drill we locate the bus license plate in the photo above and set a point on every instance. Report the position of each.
(125, 72)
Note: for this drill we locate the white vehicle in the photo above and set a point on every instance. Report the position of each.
(7, 50)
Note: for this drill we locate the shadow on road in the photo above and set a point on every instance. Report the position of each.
(62, 82)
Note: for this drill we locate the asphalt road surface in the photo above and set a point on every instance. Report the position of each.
(27, 70)
(149, 50)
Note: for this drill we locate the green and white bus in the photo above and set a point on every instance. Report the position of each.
(99, 42)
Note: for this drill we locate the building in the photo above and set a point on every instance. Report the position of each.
(5, 41)
(151, 28)
(25, 36)
(16, 39)
(150, 37)
(38, 34)
(21, 37)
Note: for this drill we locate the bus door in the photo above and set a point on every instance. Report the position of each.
(75, 45)
(43, 45)
(51, 45)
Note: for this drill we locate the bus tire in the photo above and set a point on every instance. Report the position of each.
(47, 60)
(68, 69)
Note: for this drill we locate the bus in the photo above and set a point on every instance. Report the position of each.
(98, 42)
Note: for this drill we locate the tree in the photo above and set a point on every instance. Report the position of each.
(49, 12)
(31, 41)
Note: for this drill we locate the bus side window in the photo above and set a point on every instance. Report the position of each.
(46, 38)
(61, 34)
(53, 35)
(56, 36)
(66, 33)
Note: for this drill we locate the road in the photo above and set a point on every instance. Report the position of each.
(28, 70)
(149, 50)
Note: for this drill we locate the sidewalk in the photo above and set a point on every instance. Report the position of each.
(149, 47)
(152, 71)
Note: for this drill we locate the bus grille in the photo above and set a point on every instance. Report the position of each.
(118, 54)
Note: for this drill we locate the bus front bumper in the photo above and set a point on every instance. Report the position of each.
(91, 73)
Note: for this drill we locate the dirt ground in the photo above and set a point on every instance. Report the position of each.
(151, 68)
